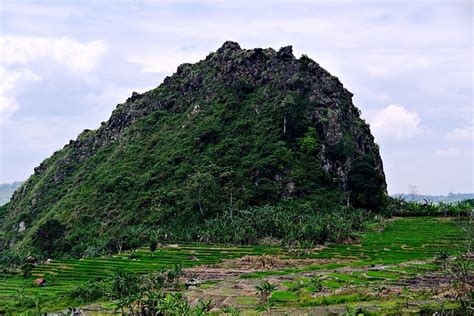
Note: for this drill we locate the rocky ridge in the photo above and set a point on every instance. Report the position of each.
(292, 96)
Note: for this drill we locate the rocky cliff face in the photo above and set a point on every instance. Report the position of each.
(259, 125)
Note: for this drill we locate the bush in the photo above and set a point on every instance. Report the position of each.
(89, 291)
(149, 294)
(306, 225)
(400, 207)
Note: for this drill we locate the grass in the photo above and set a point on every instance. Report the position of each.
(285, 296)
(402, 240)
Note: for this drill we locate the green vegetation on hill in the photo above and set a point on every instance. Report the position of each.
(221, 142)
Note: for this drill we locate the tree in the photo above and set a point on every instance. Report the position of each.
(26, 269)
(135, 236)
(49, 237)
(413, 191)
(154, 235)
(201, 187)
(227, 174)
(285, 107)
(153, 245)
(366, 185)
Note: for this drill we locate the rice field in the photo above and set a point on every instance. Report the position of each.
(403, 250)
(404, 239)
(64, 275)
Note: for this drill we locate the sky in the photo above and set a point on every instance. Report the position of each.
(65, 65)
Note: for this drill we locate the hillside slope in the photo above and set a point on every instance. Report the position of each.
(240, 128)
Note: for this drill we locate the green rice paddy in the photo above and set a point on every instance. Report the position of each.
(402, 248)
(65, 275)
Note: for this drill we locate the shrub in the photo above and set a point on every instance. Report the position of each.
(399, 207)
(89, 291)
(296, 227)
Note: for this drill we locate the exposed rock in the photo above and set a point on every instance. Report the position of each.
(21, 227)
(286, 53)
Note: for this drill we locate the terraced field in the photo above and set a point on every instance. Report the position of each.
(382, 271)
(64, 275)
(402, 240)
(385, 272)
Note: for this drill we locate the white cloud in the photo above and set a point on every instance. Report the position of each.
(165, 62)
(462, 133)
(8, 106)
(395, 122)
(19, 52)
(104, 101)
(11, 81)
(78, 57)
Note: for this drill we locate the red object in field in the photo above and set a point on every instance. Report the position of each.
(39, 282)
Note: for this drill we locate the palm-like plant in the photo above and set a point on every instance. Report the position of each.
(265, 289)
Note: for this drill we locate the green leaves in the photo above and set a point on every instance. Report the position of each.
(366, 185)
(265, 289)
(309, 143)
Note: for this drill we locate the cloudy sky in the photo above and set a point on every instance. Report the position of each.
(65, 65)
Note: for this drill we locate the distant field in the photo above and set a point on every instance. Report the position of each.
(402, 251)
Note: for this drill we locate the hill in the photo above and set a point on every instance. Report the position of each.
(6, 191)
(221, 139)
(450, 198)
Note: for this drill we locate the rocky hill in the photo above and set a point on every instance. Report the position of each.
(240, 128)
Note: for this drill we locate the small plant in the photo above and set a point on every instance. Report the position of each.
(203, 307)
(264, 307)
(378, 290)
(316, 283)
(174, 274)
(173, 304)
(265, 289)
(230, 310)
(442, 259)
